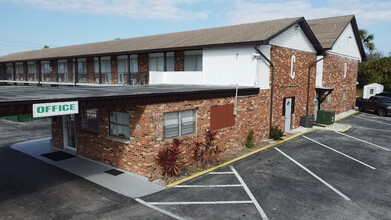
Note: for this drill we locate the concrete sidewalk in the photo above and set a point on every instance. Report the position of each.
(127, 183)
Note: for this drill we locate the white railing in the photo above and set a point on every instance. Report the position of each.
(177, 77)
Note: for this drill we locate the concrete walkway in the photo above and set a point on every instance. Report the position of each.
(127, 183)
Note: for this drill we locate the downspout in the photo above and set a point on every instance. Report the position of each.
(271, 86)
(309, 80)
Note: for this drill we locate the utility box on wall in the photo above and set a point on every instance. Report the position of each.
(325, 117)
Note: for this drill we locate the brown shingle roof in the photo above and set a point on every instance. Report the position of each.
(327, 30)
(251, 33)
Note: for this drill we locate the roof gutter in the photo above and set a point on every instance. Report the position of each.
(271, 86)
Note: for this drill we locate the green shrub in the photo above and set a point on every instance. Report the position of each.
(250, 140)
(276, 133)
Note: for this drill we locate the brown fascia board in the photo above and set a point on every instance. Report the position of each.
(308, 32)
(248, 43)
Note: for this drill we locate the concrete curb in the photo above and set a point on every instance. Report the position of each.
(251, 153)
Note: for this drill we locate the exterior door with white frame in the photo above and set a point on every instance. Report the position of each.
(288, 113)
(69, 132)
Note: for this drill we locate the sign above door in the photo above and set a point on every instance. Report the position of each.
(55, 108)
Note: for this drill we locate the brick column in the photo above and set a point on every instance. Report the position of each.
(114, 69)
(70, 70)
(53, 71)
(179, 60)
(143, 68)
(90, 70)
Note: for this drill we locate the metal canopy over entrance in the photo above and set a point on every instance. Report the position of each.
(322, 94)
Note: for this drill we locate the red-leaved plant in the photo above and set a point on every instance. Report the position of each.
(168, 160)
(207, 151)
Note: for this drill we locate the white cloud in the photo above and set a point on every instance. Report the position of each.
(367, 12)
(150, 9)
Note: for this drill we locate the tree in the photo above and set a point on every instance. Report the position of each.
(45, 47)
(376, 71)
(367, 40)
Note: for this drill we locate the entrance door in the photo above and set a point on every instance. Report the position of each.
(69, 132)
(288, 113)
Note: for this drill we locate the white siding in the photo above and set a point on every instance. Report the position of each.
(223, 66)
(178, 77)
(236, 65)
(294, 38)
(346, 44)
(319, 72)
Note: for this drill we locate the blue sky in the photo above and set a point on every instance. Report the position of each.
(30, 24)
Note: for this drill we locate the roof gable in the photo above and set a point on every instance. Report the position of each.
(328, 30)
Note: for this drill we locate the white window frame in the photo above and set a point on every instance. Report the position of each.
(198, 55)
(114, 123)
(194, 112)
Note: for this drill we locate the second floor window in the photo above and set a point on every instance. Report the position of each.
(193, 60)
(62, 67)
(31, 68)
(19, 68)
(156, 61)
(123, 64)
(45, 67)
(9, 68)
(105, 64)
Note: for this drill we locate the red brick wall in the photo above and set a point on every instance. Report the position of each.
(70, 70)
(179, 57)
(57, 132)
(143, 68)
(285, 87)
(146, 132)
(53, 71)
(90, 70)
(343, 98)
(114, 69)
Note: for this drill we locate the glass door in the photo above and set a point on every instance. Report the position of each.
(69, 132)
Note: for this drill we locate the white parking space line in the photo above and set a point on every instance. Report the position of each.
(372, 120)
(314, 175)
(159, 209)
(206, 186)
(330, 148)
(221, 173)
(358, 139)
(259, 208)
(201, 203)
(373, 129)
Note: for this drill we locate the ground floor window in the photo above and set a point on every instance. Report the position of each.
(178, 124)
(119, 124)
(90, 120)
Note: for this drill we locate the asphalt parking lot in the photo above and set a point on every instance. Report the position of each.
(32, 189)
(320, 175)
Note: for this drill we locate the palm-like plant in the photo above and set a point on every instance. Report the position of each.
(367, 40)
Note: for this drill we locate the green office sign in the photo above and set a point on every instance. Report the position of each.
(55, 108)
